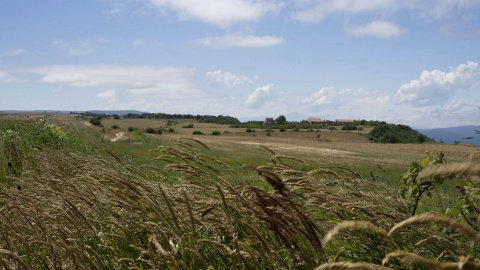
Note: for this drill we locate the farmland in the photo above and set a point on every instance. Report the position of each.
(263, 199)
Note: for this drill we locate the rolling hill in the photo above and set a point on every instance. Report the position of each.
(462, 134)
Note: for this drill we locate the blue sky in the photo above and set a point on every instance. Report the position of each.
(413, 62)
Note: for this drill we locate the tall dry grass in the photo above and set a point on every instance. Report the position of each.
(193, 211)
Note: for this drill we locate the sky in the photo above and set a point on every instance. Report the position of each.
(412, 62)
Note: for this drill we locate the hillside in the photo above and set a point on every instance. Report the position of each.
(462, 134)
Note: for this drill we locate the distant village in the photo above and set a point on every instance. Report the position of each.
(314, 120)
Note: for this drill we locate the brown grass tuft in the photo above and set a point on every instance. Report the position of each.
(409, 258)
(359, 226)
(352, 265)
(434, 218)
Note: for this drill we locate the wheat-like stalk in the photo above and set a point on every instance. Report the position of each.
(358, 226)
(409, 258)
(452, 170)
(352, 265)
(434, 218)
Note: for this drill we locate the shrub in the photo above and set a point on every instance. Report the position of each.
(250, 130)
(332, 128)
(171, 130)
(216, 133)
(198, 132)
(96, 121)
(349, 127)
(282, 130)
(130, 129)
(188, 126)
(115, 127)
(150, 130)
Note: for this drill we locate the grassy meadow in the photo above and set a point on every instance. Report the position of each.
(71, 198)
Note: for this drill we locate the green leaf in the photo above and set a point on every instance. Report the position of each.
(425, 161)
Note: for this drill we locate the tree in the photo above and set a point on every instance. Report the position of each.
(281, 120)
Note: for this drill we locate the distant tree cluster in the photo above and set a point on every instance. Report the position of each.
(228, 120)
(391, 133)
(280, 125)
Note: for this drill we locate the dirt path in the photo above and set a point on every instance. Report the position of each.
(119, 136)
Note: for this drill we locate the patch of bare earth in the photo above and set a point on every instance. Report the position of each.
(119, 136)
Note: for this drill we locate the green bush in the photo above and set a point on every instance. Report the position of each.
(150, 130)
(188, 126)
(198, 132)
(115, 127)
(96, 121)
(391, 133)
(349, 127)
(216, 133)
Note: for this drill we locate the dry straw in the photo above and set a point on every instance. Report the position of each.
(434, 218)
(409, 258)
(365, 226)
(352, 265)
(452, 170)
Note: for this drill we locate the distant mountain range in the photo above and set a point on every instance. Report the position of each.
(462, 134)
(92, 111)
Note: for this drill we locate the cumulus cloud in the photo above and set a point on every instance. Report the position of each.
(260, 96)
(138, 43)
(221, 78)
(116, 8)
(436, 85)
(315, 11)
(6, 77)
(151, 81)
(324, 96)
(445, 9)
(109, 94)
(221, 13)
(15, 53)
(83, 47)
(240, 40)
(379, 29)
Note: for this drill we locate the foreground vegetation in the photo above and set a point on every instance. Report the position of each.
(67, 204)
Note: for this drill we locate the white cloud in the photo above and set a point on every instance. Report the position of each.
(116, 8)
(138, 43)
(445, 8)
(226, 79)
(109, 94)
(315, 10)
(144, 81)
(436, 85)
(82, 47)
(221, 13)
(5, 77)
(239, 40)
(324, 96)
(260, 96)
(379, 29)
(15, 53)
